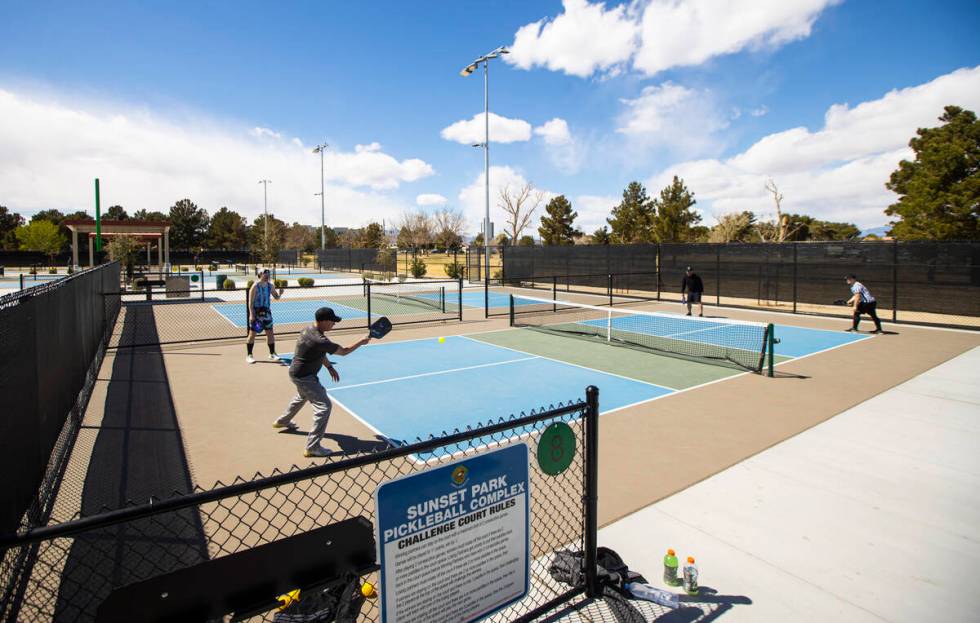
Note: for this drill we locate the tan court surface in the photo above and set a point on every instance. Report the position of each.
(196, 415)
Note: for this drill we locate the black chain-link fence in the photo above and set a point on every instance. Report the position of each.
(918, 282)
(52, 337)
(153, 316)
(69, 570)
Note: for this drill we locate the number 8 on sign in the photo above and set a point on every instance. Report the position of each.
(556, 448)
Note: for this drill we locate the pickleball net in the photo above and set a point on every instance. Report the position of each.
(722, 341)
(422, 294)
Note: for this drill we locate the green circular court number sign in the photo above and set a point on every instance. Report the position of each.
(556, 448)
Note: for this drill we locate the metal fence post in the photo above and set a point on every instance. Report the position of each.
(795, 272)
(659, 266)
(460, 293)
(718, 275)
(367, 293)
(554, 292)
(895, 281)
(590, 498)
(609, 287)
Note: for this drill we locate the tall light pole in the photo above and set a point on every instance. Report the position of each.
(265, 210)
(319, 149)
(469, 69)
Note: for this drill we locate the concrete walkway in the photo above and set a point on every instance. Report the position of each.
(873, 515)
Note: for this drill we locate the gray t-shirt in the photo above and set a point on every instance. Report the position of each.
(311, 347)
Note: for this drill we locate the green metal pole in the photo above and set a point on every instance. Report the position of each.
(772, 342)
(98, 218)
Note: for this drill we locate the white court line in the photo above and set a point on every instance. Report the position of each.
(436, 373)
(567, 363)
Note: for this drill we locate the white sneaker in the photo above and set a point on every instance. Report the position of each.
(249, 359)
(316, 451)
(273, 357)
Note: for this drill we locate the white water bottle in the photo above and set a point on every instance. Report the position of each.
(656, 595)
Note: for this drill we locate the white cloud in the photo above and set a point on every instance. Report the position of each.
(584, 39)
(761, 111)
(472, 199)
(681, 120)
(562, 149)
(430, 199)
(502, 130)
(837, 172)
(264, 133)
(676, 34)
(148, 161)
(593, 210)
(587, 38)
(554, 132)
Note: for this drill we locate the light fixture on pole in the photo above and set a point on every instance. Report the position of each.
(319, 149)
(265, 210)
(466, 71)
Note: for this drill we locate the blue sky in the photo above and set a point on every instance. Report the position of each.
(166, 100)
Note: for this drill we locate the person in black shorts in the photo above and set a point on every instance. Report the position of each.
(694, 287)
(863, 303)
(312, 350)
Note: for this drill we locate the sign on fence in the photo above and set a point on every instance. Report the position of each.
(453, 541)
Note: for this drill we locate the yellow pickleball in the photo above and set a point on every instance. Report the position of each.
(442, 340)
(367, 589)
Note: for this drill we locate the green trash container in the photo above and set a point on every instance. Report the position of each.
(219, 281)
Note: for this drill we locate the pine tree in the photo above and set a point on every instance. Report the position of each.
(675, 218)
(556, 226)
(940, 190)
(632, 220)
(600, 236)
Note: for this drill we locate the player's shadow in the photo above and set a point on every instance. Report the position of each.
(354, 445)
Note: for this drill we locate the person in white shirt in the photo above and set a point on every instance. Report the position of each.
(863, 303)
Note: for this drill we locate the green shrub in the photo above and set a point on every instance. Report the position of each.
(455, 270)
(33, 271)
(71, 270)
(229, 284)
(369, 275)
(417, 268)
(213, 267)
(281, 283)
(52, 271)
(184, 269)
(305, 282)
(140, 283)
(498, 275)
(197, 269)
(248, 284)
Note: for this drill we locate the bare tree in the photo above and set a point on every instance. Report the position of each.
(778, 231)
(736, 227)
(450, 225)
(416, 229)
(519, 206)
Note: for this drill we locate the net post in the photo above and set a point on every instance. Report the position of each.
(367, 293)
(771, 332)
(554, 293)
(609, 288)
(460, 296)
(590, 499)
(21, 278)
(442, 298)
(511, 310)
(486, 297)
(202, 284)
(609, 326)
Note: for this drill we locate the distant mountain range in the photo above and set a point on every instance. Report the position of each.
(881, 232)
